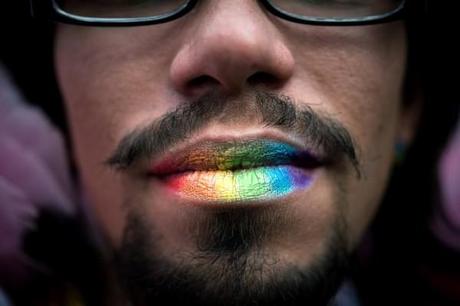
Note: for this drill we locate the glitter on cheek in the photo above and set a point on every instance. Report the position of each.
(261, 183)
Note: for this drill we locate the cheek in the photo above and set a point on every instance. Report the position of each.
(91, 124)
(370, 106)
(109, 87)
(356, 76)
(376, 118)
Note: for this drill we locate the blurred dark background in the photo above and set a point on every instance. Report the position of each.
(26, 50)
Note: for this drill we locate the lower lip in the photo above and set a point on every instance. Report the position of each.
(245, 185)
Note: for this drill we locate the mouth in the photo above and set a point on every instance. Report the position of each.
(241, 171)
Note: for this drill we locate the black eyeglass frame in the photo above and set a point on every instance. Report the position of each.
(50, 10)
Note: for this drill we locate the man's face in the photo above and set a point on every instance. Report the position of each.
(248, 154)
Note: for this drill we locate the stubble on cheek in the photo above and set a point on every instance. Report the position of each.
(94, 114)
(374, 116)
(357, 77)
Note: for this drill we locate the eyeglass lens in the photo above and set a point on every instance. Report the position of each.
(313, 9)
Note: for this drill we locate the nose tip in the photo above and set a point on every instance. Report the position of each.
(230, 57)
(229, 67)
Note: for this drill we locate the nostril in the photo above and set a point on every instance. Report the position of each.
(263, 78)
(202, 82)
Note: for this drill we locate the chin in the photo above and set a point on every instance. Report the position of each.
(256, 254)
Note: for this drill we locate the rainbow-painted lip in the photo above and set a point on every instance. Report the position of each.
(235, 155)
(237, 171)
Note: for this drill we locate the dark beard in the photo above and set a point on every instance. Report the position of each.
(230, 268)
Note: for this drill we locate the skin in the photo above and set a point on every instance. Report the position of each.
(116, 79)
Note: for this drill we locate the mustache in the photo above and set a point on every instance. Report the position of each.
(272, 110)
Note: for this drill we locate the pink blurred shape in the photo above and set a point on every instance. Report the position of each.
(446, 222)
(34, 175)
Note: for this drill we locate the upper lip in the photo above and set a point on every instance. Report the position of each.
(235, 154)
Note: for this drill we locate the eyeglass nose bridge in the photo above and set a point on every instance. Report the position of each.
(51, 10)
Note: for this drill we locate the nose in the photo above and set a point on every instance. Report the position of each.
(231, 45)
